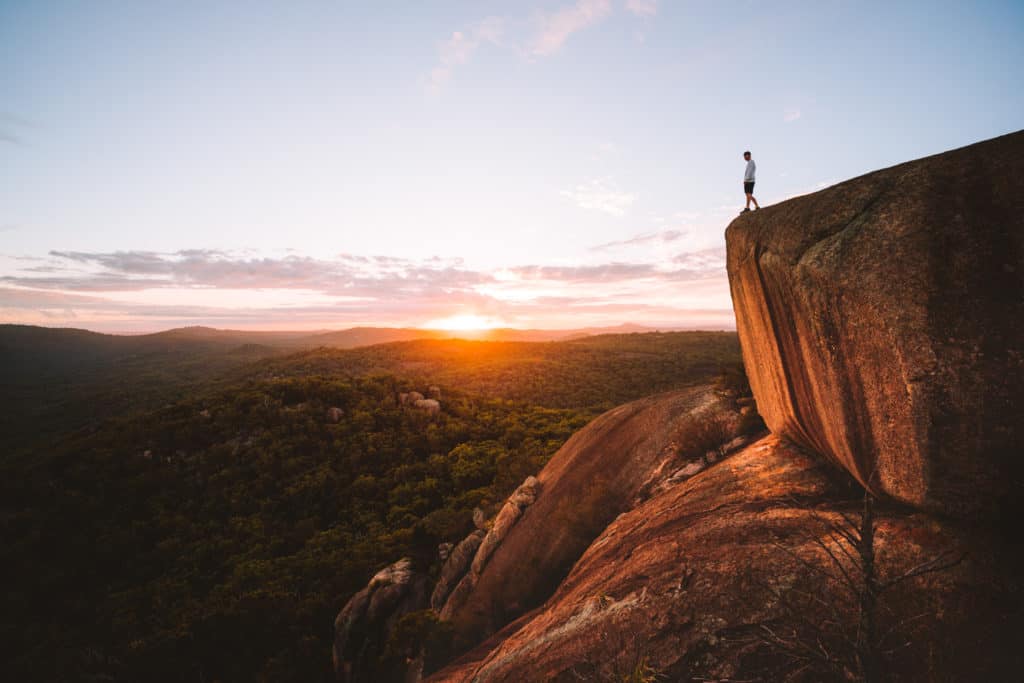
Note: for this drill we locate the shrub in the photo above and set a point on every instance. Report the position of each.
(420, 634)
(733, 379)
(700, 434)
(750, 423)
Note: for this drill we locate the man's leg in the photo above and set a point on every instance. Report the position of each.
(750, 198)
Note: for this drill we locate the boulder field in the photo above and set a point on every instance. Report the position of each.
(882, 325)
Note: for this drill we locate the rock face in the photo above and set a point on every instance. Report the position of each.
(363, 624)
(522, 498)
(882, 324)
(455, 567)
(592, 478)
(685, 582)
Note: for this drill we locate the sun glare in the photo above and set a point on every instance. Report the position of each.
(465, 322)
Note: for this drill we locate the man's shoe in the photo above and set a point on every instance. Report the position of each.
(745, 211)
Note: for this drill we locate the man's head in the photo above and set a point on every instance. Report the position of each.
(746, 155)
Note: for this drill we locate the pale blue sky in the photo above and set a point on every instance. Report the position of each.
(540, 164)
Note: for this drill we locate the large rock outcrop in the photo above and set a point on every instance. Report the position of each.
(592, 478)
(690, 585)
(882, 325)
(363, 625)
(881, 328)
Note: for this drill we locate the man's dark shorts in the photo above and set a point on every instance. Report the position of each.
(748, 188)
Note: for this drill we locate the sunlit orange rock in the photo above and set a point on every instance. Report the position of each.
(684, 582)
(882, 324)
(593, 477)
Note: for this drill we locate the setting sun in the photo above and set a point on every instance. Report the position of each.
(464, 322)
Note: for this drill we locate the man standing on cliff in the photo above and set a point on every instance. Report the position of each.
(748, 182)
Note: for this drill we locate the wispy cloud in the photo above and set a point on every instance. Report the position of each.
(553, 30)
(461, 45)
(124, 271)
(663, 236)
(791, 114)
(548, 32)
(604, 272)
(620, 273)
(600, 194)
(642, 8)
(703, 261)
(146, 290)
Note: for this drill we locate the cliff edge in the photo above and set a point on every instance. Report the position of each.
(882, 324)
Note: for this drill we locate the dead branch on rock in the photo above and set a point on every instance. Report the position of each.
(847, 642)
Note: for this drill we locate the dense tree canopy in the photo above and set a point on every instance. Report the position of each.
(215, 537)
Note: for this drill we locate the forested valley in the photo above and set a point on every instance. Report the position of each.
(211, 532)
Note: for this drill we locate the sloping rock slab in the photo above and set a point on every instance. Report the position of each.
(592, 478)
(882, 325)
(685, 585)
(510, 513)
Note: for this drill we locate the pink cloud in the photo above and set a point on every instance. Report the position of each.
(461, 45)
(663, 236)
(144, 290)
(555, 29)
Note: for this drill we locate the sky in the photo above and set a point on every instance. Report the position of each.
(555, 164)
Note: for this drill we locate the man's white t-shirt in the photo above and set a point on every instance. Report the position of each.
(748, 177)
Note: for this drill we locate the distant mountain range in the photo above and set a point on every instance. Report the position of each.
(29, 337)
(366, 336)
